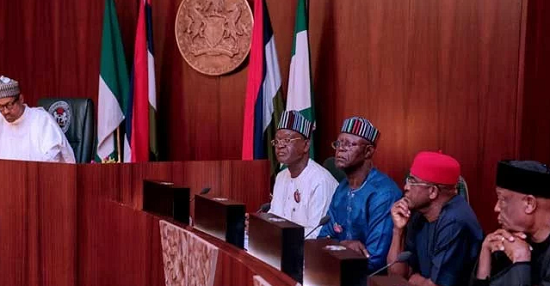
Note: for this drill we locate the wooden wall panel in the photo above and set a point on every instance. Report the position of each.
(122, 243)
(57, 223)
(535, 139)
(362, 72)
(246, 181)
(16, 245)
(161, 171)
(430, 74)
(101, 181)
(52, 47)
(124, 182)
(118, 183)
(124, 258)
(232, 88)
(65, 224)
(32, 237)
(460, 69)
(224, 274)
(95, 182)
(38, 224)
(119, 250)
(197, 176)
(497, 101)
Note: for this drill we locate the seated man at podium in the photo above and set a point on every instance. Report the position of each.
(303, 190)
(26, 133)
(435, 224)
(360, 207)
(519, 252)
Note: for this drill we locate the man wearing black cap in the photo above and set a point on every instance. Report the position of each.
(519, 252)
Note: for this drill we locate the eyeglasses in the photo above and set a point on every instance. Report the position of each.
(345, 144)
(9, 105)
(411, 181)
(283, 142)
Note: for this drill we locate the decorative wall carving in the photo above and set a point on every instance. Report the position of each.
(214, 36)
(188, 259)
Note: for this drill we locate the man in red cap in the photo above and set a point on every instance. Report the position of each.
(435, 224)
(519, 252)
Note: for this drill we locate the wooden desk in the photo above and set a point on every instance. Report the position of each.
(278, 242)
(387, 281)
(67, 225)
(324, 266)
(220, 217)
(166, 199)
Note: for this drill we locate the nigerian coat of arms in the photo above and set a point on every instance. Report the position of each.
(214, 36)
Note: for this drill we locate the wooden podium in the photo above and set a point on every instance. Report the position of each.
(278, 242)
(84, 224)
(164, 198)
(387, 281)
(221, 218)
(329, 263)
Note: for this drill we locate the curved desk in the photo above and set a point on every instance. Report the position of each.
(64, 224)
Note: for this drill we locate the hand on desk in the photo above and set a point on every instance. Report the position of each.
(355, 245)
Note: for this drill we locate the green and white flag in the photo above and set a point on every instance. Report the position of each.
(113, 88)
(300, 95)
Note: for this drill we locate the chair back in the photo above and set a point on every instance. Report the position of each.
(75, 116)
(462, 188)
(338, 174)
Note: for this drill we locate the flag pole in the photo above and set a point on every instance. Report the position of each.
(118, 143)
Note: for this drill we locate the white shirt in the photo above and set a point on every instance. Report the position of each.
(305, 199)
(35, 136)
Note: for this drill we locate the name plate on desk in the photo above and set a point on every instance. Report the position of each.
(220, 217)
(329, 263)
(277, 242)
(166, 199)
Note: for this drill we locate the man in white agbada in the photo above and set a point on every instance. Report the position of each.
(303, 190)
(26, 133)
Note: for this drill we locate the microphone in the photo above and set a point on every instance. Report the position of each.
(324, 220)
(264, 208)
(203, 192)
(402, 257)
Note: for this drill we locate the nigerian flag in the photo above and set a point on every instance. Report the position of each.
(264, 99)
(113, 87)
(300, 96)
